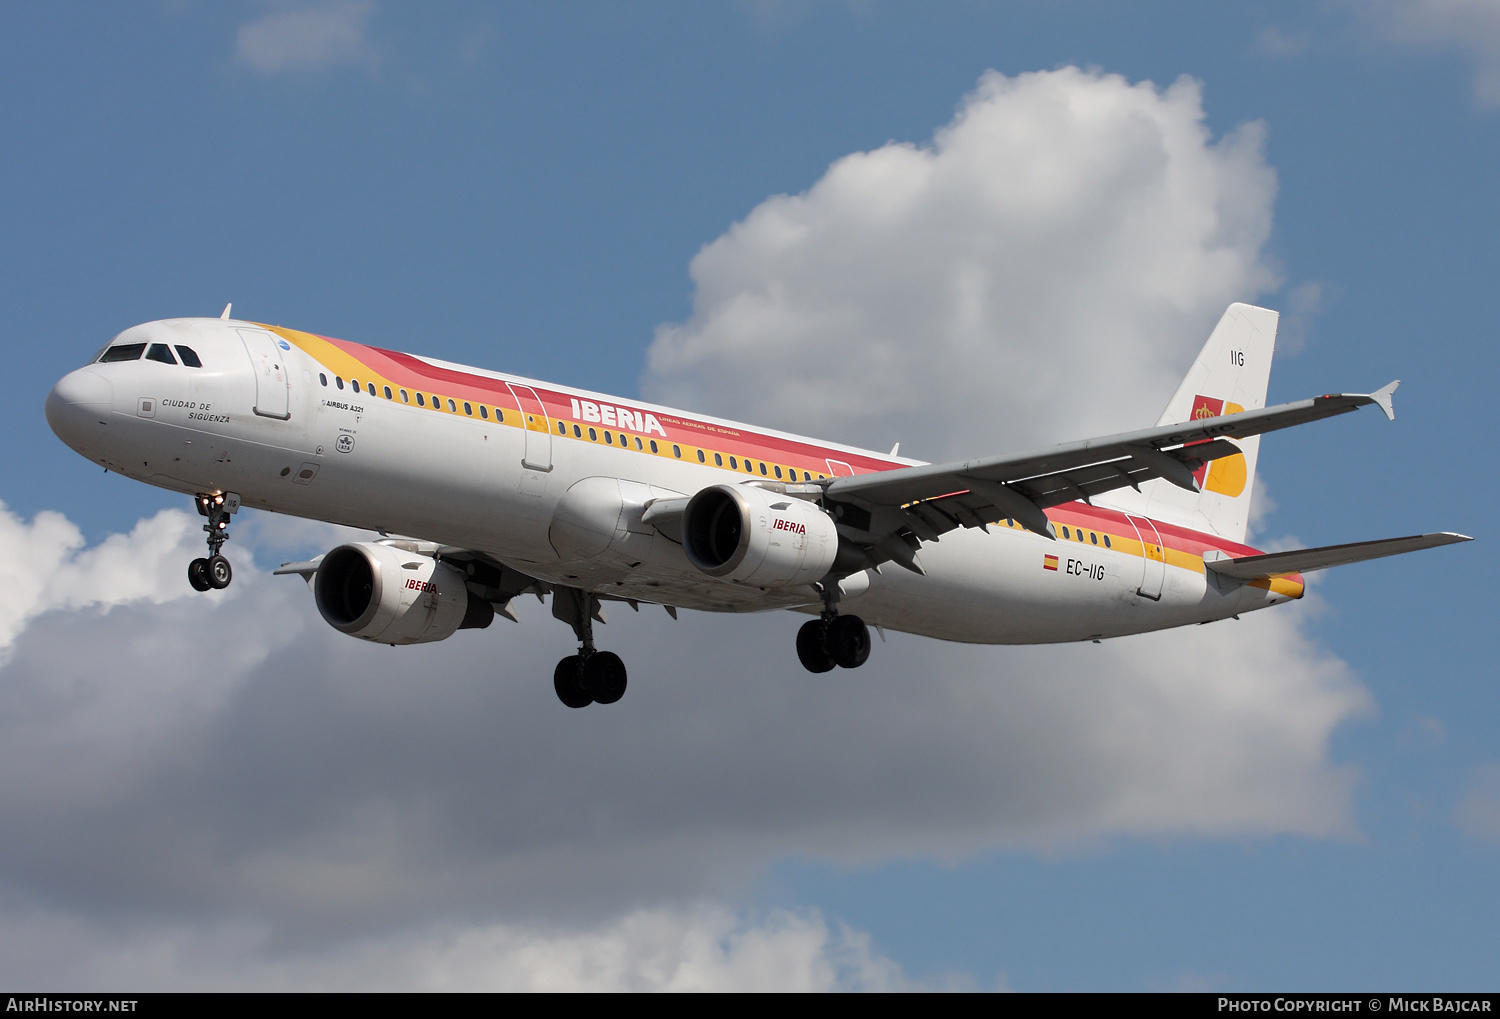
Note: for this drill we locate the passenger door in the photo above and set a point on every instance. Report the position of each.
(268, 363)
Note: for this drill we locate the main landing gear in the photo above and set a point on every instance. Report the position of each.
(591, 676)
(832, 639)
(214, 572)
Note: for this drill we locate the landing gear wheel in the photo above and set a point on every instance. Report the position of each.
(567, 680)
(604, 676)
(214, 572)
(198, 575)
(812, 647)
(848, 641)
(218, 573)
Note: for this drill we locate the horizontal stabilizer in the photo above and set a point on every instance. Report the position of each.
(1304, 560)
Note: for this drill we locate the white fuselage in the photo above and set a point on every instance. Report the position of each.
(265, 417)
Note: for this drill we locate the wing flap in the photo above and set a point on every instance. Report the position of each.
(987, 501)
(1084, 469)
(1305, 560)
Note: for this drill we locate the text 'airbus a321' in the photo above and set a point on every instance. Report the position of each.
(502, 486)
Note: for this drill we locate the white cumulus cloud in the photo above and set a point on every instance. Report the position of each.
(46, 566)
(1042, 270)
(704, 948)
(230, 764)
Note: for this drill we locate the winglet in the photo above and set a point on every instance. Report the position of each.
(225, 312)
(1382, 398)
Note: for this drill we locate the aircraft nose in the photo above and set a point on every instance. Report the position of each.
(79, 406)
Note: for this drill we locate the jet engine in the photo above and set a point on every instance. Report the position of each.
(747, 534)
(383, 594)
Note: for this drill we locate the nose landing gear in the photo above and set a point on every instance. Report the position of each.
(214, 572)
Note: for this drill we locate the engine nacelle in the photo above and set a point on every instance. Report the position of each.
(382, 594)
(745, 533)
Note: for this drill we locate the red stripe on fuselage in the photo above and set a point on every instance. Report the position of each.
(413, 372)
(417, 374)
(1173, 536)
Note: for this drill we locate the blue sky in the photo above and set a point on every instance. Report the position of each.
(526, 188)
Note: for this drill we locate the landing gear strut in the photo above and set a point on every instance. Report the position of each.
(832, 639)
(214, 572)
(591, 676)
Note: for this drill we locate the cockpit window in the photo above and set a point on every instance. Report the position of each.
(123, 352)
(189, 358)
(160, 352)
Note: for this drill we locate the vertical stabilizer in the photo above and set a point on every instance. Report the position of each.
(1229, 376)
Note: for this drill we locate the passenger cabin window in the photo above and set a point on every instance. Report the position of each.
(419, 400)
(403, 397)
(370, 388)
(733, 464)
(677, 452)
(452, 407)
(718, 460)
(1106, 542)
(638, 442)
(577, 432)
(468, 409)
(387, 392)
(355, 384)
(700, 456)
(653, 443)
(337, 381)
(763, 467)
(188, 356)
(1093, 537)
(778, 472)
(160, 352)
(124, 352)
(1066, 534)
(593, 435)
(608, 438)
(323, 378)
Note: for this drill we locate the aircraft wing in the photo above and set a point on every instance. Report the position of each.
(934, 498)
(1304, 560)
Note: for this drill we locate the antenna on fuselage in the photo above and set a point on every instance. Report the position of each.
(225, 312)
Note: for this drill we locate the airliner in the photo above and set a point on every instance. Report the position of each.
(484, 487)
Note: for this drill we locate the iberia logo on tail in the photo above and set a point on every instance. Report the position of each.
(1228, 475)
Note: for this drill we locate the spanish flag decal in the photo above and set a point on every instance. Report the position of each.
(1049, 562)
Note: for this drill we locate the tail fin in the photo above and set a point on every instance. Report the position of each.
(1230, 376)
